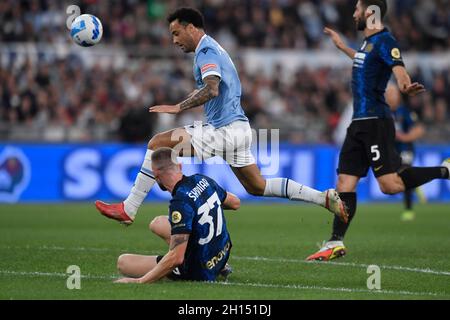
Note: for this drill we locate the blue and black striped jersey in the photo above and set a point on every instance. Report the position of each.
(372, 69)
(196, 209)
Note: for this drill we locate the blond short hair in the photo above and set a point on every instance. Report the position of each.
(164, 158)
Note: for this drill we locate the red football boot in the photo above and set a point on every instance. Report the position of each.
(114, 211)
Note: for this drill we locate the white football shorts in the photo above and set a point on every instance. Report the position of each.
(232, 142)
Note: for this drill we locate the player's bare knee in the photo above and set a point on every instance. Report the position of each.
(155, 142)
(122, 263)
(388, 189)
(157, 224)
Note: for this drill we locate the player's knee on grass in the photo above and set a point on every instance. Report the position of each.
(123, 263)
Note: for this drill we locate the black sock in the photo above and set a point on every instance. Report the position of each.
(415, 177)
(339, 227)
(408, 199)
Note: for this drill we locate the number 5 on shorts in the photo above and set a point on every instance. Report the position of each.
(376, 153)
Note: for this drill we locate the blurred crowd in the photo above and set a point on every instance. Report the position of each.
(417, 24)
(65, 100)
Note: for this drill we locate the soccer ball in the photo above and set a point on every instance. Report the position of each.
(86, 30)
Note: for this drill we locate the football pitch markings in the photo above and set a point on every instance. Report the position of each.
(240, 284)
(264, 259)
(346, 264)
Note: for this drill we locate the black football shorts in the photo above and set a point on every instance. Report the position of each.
(369, 143)
(177, 274)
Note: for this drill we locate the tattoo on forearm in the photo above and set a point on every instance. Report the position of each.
(208, 92)
(178, 239)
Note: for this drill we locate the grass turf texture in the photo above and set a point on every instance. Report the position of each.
(39, 242)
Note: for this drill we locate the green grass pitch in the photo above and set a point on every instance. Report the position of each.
(39, 242)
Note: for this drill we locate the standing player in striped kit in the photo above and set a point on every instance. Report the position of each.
(370, 140)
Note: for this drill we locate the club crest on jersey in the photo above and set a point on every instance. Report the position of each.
(176, 217)
(395, 53)
(15, 172)
(369, 48)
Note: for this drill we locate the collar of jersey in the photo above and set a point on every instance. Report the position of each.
(378, 33)
(200, 42)
(174, 191)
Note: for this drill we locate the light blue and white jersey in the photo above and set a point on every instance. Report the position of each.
(212, 59)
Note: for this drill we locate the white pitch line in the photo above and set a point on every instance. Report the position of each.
(349, 290)
(277, 260)
(347, 264)
(240, 284)
(53, 274)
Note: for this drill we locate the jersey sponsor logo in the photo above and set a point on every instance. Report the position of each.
(209, 66)
(218, 257)
(176, 217)
(395, 53)
(15, 172)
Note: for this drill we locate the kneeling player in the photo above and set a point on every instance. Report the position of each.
(196, 231)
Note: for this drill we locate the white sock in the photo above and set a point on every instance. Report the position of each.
(142, 186)
(287, 188)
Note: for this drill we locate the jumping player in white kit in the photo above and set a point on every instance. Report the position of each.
(227, 132)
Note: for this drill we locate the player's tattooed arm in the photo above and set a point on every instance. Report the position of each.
(203, 95)
(177, 240)
(173, 258)
(195, 99)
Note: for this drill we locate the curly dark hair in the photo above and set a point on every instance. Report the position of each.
(187, 16)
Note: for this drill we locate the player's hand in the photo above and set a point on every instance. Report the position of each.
(414, 89)
(165, 109)
(335, 37)
(127, 280)
(400, 137)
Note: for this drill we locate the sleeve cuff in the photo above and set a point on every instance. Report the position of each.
(181, 231)
(211, 73)
(224, 197)
(397, 63)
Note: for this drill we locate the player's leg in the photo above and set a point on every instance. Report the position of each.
(353, 165)
(407, 161)
(234, 144)
(161, 227)
(386, 162)
(135, 265)
(335, 248)
(252, 180)
(126, 211)
(411, 178)
(408, 214)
